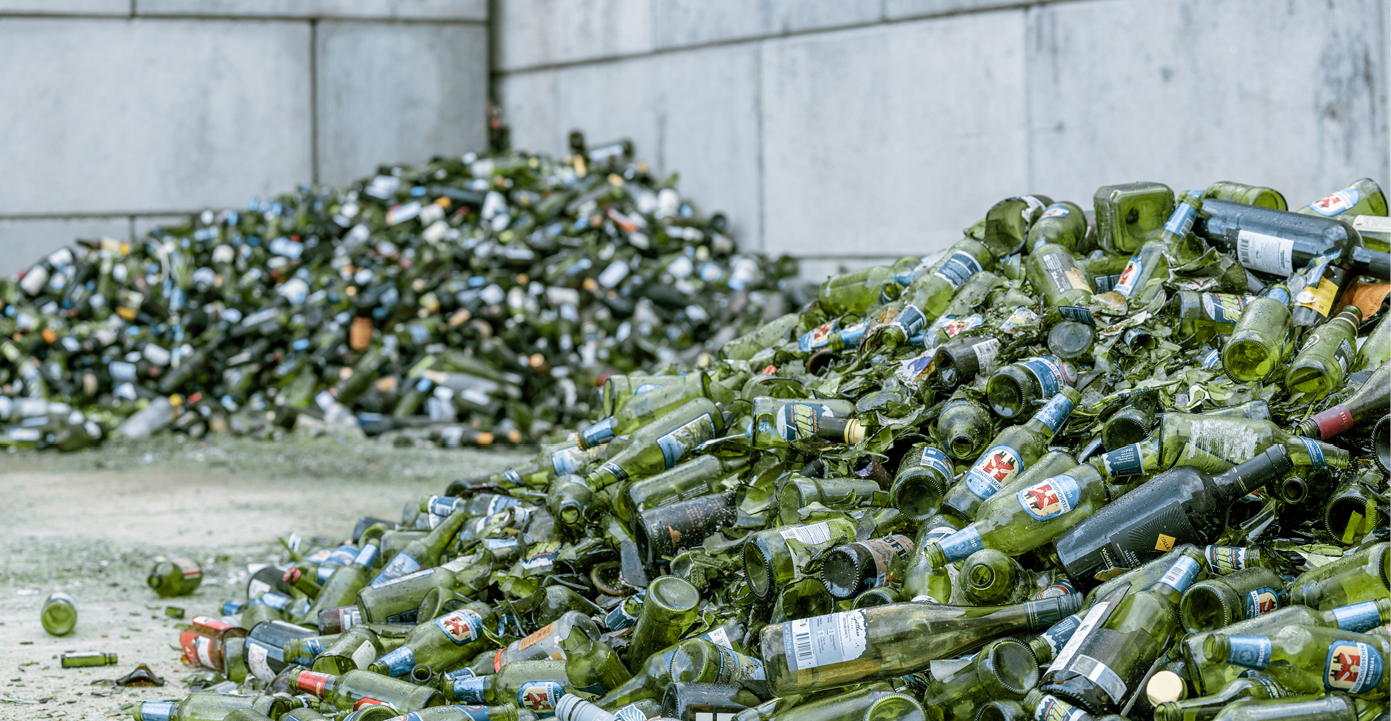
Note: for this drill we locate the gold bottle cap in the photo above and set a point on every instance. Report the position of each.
(1165, 687)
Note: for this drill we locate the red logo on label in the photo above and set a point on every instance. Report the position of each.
(999, 465)
(1042, 497)
(538, 700)
(456, 626)
(1345, 667)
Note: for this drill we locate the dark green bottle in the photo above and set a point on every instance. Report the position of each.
(1204, 708)
(1062, 223)
(924, 474)
(1003, 669)
(1219, 602)
(964, 427)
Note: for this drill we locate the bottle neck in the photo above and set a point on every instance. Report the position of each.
(1252, 474)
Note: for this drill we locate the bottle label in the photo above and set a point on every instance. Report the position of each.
(1054, 413)
(817, 337)
(1052, 708)
(958, 268)
(1224, 308)
(1059, 588)
(936, 460)
(1182, 574)
(1261, 601)
(1352, 667)
(819, 532)
(1265, 253)
(986, 351)
(884, 551)
(937, 534)
(400, 565)
(364, 655)
(1126, 285)
(631, 712)
(1093, 618)
(676, 444)
(1051, 497)
(997, 467)
(736, 667)
(398, 661)
(461, 627)
(1077, 314)
(1357, 617)
(569, 461)
(349, 617)
(1061, 632)
(469, 690)
(961, 544)
(512, 476)
(1064, 273)
(1182, 220)
(257, 660)
(466, 713)
(1224, 560)
(1339, 202)
(1050, 372)
(800, 421)
(615, 470)
(1101, 675)
(203, 647)
(158, 710)
(1054, 211)
(825, 640)
(1319, 297)
(911, 320)
(619, 618)
(718, 637)
(1315, 450)
(540, 697)
(1127, 461)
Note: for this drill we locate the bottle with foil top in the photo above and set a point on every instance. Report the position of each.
(1261, 338)
(1247, 194)
(1222, 601)
(1364, 406)
(850, 569)
(1016, 387)
(1063, 223)
(1327, 355)
(1200, 317)
(924, 475)
(661, 444)
(779, 423)
(1152, 260)
(928, 293)
(1053, 271)
(1012, 451)
(864, 645)
(1119, 639)
(1215, 443)
(1026, 519)
(1363, 197)
(1310, 659)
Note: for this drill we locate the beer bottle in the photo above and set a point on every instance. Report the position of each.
(778, 423)
(355, 648)
(439, 643)
(668, 609)
(1054, 273)
(1309, 659)
(929, 293)
(1204, 708)
(1261, 337)
(347, 690)
(59, 614)
(688, 700)
(591, 663)
(961, 360)
(864, 645)
(1367, 404)
(924, 474)
(342, 587)
(1280, 243)
(798, 492)
(1003, 669)
(963, 428)
(1363, 197)
(1248, 194)
(1314, 303)
(204, 705)
(1007, 222)
(850, 569)
(696, 477)
(508, 685)
(1125, 214)
(1119, 640)
(1363, 575)
(421, 552)
(1062, 223)
(1130, 424)
(991, 578)
(1199, 317)
(702, 661)
(1319, 366)
(1210, 443)
(654, 674)
(1226, 560)
(1316, 707)
(1152, 261)
(87, 658)
(661, 444)
(768, 560)
(855, 292)
(645, 407)
(1046, 645)
(1017, 386)
(545, 642)
(399, 601)
(1179, 506)
(1242, 595)
(925, 582)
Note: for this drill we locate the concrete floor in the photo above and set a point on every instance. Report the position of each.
(91, 523)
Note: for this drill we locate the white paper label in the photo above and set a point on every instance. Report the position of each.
(815, 533)
(825, 640)
(720, 638)
(1265, 253)
(256, 661)
(204, 648)
(1073, 644)
(985, 354)
(1373, 223)
(365, 655)
(1101, 675)
(256, 588)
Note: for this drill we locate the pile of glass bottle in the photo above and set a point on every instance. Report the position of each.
(1022, 479)
(466, 301)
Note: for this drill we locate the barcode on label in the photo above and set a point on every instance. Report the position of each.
(720, 638)
(707, 716)
(801, 644)
(815, 533)
(1079, 636)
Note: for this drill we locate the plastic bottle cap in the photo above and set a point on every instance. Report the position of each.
(1165, 687)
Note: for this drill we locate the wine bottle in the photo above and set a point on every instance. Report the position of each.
(1367, 404)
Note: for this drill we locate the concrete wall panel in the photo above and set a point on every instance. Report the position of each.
(542, 32)
(59, 7)
(391, 9)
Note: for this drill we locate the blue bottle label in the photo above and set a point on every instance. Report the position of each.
(1056, 210)
(1052, 375)
(851, 335)
(1213, 360)
(1077, 313)
(469, 690)
(512, 476)
(1261, 601)
(1224, 308)
(569, 461)
(400, 565)
(461, 627)
(1182, 574)
(1055, 412)
(936, 460)
(961, 544)
(1279, 293)
(996, 467)
(1051, 497)
(736, 667)
(540, 697)
(958, 268)
(937, 534)
(442, 505)
(157, 710)
(1127, 461)
(619, 618)
(1249, 651)
(1352, 667)
(1059, 633)
(601, 432)
(1316, 459)
(1336, 203)
(911, 320)
(676, 444)
(1225, 560)
(1181, 221)
(631, 712)
(1358, 617)
(398, 661)
(614, 470)
(1126, 285)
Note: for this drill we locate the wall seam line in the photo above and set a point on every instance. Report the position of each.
(314, 101)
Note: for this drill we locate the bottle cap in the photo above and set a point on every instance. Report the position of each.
(1165, 687)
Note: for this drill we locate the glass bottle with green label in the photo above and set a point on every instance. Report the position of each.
(1118, 640)
(1063, 223)
(1310, 659)
(1013, 450)
(1327, 355)
(924, 475)
(1053, 272)
(1152, 260)
(440, 643)
(780, 422)
(1214, 443)
(59, 614)
(1248, 194)
(1019, 522)
(1222, 601)
(1199, 317)
(1125, 214)
(668, 610)
(963, 428)
(661, 444)
(929, 292)
(881, 642)
(1363, 197)
(850, 569)
(1261, 337)
(768, 559)
(1016, 388)
(1363, 575)
(1003, 669)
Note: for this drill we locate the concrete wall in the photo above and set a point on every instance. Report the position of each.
(874, 128)
(117, 114)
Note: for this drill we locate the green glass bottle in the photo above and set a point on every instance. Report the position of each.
(929, 292)
(1118, 641)
(1130, 424)
(1261, 337)
(591, 663)
(850, 569)
(925, 582)
(698, 476)
(1363, 407)
(1046, 645)
(1029, 518)
(770, 334)
(1053, 272)
(701, 661)
(1213, 444)
(1316, 707)
(798, 492)
(1327, 355)
(1363, 197)
(348, 690)
(1248, 194)
(876, 643)
(1364, 575)
(778, 423)
(668, 610)
(963, 428)
(1016, 387)
(855, 292)
(355, 648)
(1219, 602)
(87, 658)
(175, 577)
(1003, 669)
(1204, 708)
(421, 552)
(545, 642)
(1009, 454)
(652, 677)
(661, 444)
(1309, 659)
(59, 614)
(399, 601)
(1226, 560)
(924, 475)
(1209, 674)
(1152, 260)
(209, 706)
(440, 643)
(768, 560)
(1125, 214)
(990, 578)
(1199, 317)
(1062, 223)
(505, 686)
(644, 407)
